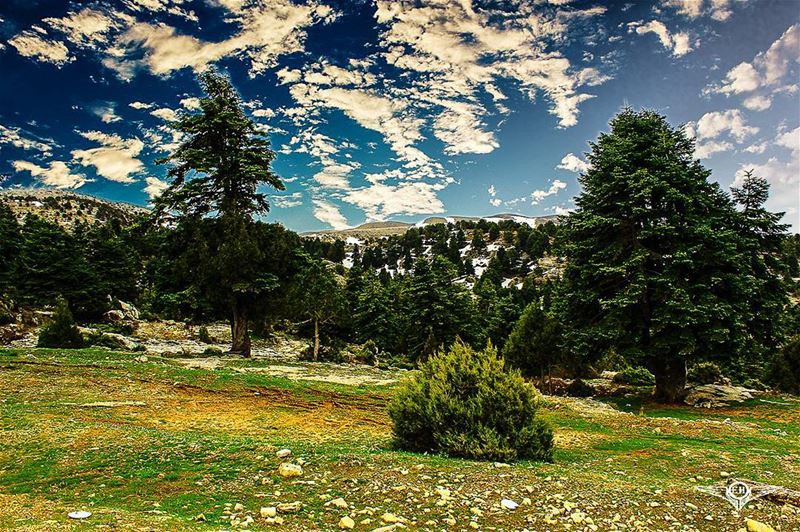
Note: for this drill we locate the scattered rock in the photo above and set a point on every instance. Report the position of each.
(238, 507)
(338, 503)
(390, 518)
(79, 515)
(346, 523)
(755, 526)
(289, 507)
(288, 470)
(508, 504)
(268, 511)
(717, 395)
(284, 453)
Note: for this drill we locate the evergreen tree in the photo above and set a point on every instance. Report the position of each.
(318, 295)
(437, 309)
(763, 236)
(534, 346)
(216, 174)
(653, 261)
(11, 242)
(374, 316)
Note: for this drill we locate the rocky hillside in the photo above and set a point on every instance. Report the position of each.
(67, 208)
(392, 227)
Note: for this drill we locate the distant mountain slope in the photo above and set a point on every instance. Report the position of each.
(391, 227)
(67, 208)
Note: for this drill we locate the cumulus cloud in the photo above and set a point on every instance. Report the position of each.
(141, 105)
(573, 163)
(266, 31)
(16, 137)
(712, 125)
(115, 158)
(36, 45)
(192, 103)
(57, 174)
(767, 72)
(329, 213)
(678, 43)
(165, 113)
(539, 195)
(719, 10)
(89, 26)
(379, 200)
(154, 187)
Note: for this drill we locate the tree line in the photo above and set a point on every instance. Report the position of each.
(662, 268)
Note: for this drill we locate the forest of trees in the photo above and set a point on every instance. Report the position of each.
(658, 265)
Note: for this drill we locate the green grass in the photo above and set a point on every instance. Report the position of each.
(205, 438)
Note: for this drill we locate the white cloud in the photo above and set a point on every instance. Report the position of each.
(790, 140)
(192, 103)
(719, 10)
(17, 138)
(329, 213)
(539, 195)
(761, 147)
(266, 32)
(712, 125)
(106, 112)
(88, 27)
(573, 163)
(141, 105)
(766, 71)
(495, 202)
(165, 113)
(757, 102)
(492, 191)
(380, 200)
(155, 186)
(679, 43)
(57, 174)
(115, 159)
(263, 113)
(35, 45)
(287, 201)
(706, 149)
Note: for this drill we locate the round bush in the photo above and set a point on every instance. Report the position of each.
(635, 377)
(464, 403)
(580, 388)
(705, 373)
(62, 330)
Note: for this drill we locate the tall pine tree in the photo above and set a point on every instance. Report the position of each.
(653, 255)
(216, 173)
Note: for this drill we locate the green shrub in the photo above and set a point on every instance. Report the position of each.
(100, 339)
(204, 336)
(784, 371)
(637, 376)
(464, 403)
(611, 361)
(705, 373)
(212, 352)
(62, 330)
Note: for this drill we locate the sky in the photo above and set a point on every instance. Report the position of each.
(395, 109)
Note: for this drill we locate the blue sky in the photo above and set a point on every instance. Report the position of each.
(398, 109)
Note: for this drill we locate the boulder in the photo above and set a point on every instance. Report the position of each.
(287, 470)
(717, 395)
(755, 526)
(114, 316)
(346, 523)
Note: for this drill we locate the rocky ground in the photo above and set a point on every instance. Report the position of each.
(150, 442)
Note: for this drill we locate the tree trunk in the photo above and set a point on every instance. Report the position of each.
(670, 380)
(239, 332)
(316, 339)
